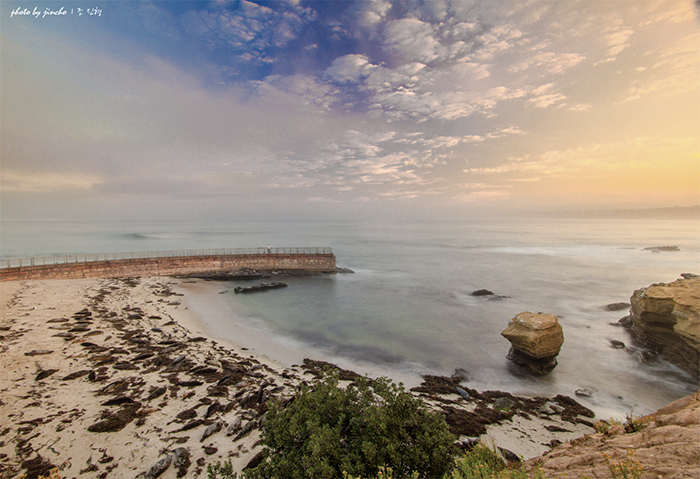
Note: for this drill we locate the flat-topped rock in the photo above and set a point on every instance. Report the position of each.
(536, 340)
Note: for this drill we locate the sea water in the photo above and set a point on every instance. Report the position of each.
(408, 309)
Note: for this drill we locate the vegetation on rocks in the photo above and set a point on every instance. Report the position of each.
(362, 430)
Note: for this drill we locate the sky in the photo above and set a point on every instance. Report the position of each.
(339, 109)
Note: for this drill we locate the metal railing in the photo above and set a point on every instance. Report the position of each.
(89, 258)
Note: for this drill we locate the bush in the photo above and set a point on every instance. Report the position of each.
(330, 432)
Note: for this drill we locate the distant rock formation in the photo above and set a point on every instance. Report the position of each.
(536, 340)
(666, 319)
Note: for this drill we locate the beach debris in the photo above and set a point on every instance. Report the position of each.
(210, 450)
(38, 352)
(213, 429)
(115, 421)
(118, 401)
(156, 392)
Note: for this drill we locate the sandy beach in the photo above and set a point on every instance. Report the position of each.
(111, 377)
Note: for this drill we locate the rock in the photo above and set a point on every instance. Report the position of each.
(259, 287)
(38, 352)
(647, 356)
(461, 374)
(509, 457)
(617, 344)
(45, 373)
(549, 408)
(616, 306)
(490, 295)
(657, 249)
(666, 318)
(503, 404)
(585, 392)
(536, 340)
(665, 446)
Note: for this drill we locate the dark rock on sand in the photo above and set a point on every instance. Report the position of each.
(38, 352)
(44, 374)
(617, 344)
(159, 467)
(213, 429)
(76, 375)
(115, 421)
(182, 461)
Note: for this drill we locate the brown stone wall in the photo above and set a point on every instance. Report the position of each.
(311, 263)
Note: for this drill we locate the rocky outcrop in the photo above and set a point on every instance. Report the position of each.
(666, 319)
(663, 444)
(536, 339)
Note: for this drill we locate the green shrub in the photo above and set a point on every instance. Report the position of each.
(331, 432)
(221, 470)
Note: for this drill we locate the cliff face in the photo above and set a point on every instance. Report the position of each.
(666, 318)
(665, 444)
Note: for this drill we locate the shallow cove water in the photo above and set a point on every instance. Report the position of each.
(408, 310)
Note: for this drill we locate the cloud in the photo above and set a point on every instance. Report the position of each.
(413, 41)
(545, 96)
(350, 69)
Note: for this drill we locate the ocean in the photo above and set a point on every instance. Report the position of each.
(408, 310)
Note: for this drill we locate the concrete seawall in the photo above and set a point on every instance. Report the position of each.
(175, 266)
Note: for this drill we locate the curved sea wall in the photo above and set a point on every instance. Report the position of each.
(175, 266)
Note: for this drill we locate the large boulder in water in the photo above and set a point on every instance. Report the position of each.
(536, 340)
(666, 319)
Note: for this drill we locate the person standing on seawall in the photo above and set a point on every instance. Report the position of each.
(269, 250)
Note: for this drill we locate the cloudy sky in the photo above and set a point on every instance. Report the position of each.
(189, 108)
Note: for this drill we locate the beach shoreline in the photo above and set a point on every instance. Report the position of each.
(111, 377)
